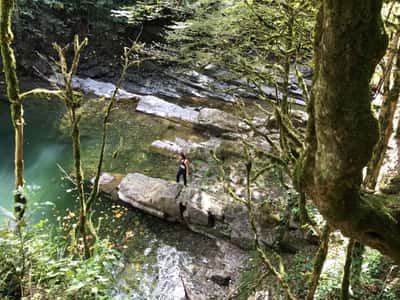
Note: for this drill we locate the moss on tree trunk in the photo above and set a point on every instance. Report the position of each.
(350, 41)
(17, 111)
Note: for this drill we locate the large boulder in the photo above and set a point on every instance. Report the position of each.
(201, 208)
(211, 214)
(153, 195)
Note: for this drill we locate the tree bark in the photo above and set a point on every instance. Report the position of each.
(319, 262)
(356, 268)
(349, 42)
(386, 115)
(347, 270)
(76, 148)
(17, 111)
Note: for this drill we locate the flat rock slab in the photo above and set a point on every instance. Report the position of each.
(98, 88)
(155, 106)
(183, 145)
(215, 120)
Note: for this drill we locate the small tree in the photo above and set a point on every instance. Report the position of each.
(16, 102)
(73, 102)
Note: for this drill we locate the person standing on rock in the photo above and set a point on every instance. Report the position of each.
(183, 169)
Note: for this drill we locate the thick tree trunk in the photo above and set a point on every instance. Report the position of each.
(17, 112)
(342, 131)
(386, 115)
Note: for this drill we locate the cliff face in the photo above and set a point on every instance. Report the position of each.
(36, 26)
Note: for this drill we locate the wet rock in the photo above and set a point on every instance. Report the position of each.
(170, 285)
(161, 108)
(98, 88)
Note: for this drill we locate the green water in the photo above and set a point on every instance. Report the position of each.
(47, 144)
(130, 135)
(43, 151)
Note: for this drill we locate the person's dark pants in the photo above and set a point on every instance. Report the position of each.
(178, 176)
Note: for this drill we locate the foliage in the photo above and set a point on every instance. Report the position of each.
(151, 10)
(49, 271)
(92, 12)
(247, 37)
(40, 22)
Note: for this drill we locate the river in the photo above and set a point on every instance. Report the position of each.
(157, 254)
(43, 151)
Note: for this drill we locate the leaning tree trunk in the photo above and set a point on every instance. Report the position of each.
(341, 133)
(319, 262)
(386, 115)
(17, 112)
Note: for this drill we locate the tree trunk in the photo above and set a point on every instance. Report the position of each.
(386, 115)
(17, 112)
(76, 148)
(288, 56)
(358, 253)
(319, 262)
(347, 270)
(341, 133)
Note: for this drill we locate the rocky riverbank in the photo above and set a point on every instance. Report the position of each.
(212, 214)
(140, 177)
